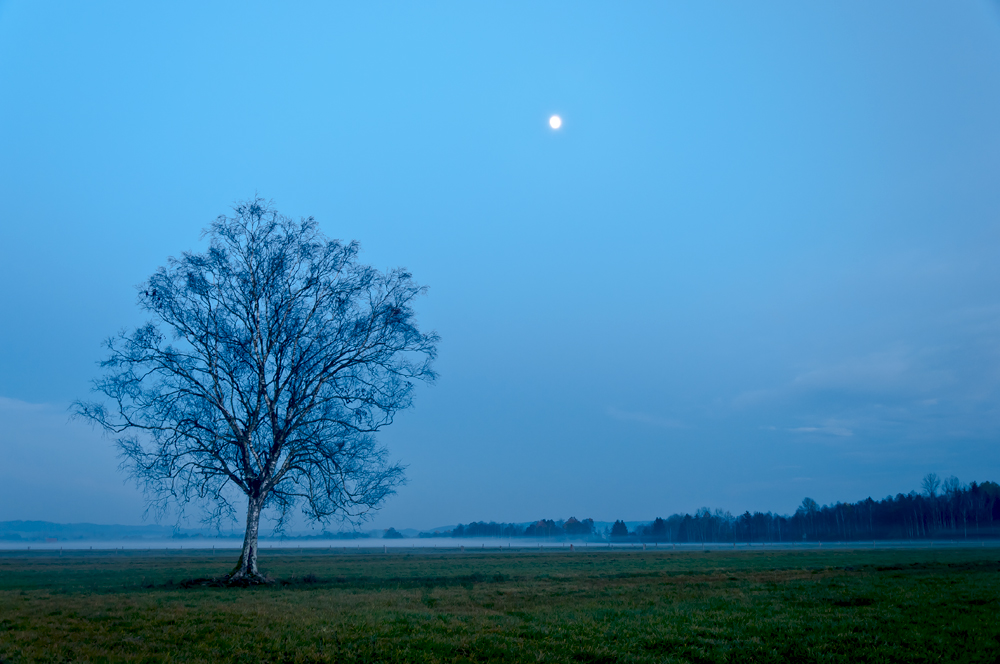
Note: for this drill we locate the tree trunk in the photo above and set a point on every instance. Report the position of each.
(246, 568)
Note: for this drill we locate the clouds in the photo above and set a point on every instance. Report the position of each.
(887, 372)
(904, 346)
(17, 406)
(913, 392)
(644, 418)
(829, 428)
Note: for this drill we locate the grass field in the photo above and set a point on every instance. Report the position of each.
(582, 607)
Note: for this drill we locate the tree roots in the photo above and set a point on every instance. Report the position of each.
(229, 581)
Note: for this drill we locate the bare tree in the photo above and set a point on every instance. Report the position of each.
(810, 508)
(951, 486)
(284, 356)
(930, 484)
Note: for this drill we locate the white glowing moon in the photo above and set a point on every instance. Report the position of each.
(555, 122)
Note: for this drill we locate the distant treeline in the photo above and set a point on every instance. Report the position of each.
(943, 510)
(546, 528)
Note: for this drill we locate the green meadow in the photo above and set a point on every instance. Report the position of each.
(516, 606)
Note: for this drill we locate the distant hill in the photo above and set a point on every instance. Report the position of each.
(41, 531)
(34, 531)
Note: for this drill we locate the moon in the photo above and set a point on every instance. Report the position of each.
(555, 122)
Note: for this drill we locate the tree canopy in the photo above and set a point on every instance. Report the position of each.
(270, 361)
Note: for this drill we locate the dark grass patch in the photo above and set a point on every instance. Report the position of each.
(854, 601)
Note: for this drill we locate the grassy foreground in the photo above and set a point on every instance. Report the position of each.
(634, 606)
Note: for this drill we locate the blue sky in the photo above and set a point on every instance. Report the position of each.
(757, 262)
